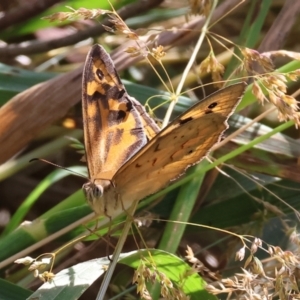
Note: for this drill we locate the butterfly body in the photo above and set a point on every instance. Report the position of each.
(128, 157)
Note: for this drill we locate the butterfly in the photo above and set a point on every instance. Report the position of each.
(128, 156)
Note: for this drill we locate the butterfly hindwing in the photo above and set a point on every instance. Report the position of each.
(185, 142)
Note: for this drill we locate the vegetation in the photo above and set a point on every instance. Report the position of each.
(227, 228)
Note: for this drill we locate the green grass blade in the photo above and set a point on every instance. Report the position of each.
(34, 196)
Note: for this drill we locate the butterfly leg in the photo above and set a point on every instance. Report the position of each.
(108, 244)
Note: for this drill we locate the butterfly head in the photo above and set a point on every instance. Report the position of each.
(97, 192)
(93, 192)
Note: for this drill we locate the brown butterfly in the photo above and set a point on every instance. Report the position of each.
(128, 157)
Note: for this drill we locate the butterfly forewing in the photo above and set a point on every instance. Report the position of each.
(186, 141)
(150, 127)
(116, 127)
(113, 129)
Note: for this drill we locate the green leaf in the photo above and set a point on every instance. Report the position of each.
(30, 233)
(35, 194)
(174, 268)
(37, 23)
(10, 291)
(14, 80)
(72, 282)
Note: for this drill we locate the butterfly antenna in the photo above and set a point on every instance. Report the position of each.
(58, 166)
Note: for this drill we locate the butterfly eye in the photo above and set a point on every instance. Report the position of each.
(92, 191)
(97, 191)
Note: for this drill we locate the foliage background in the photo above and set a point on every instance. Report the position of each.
(39, 108)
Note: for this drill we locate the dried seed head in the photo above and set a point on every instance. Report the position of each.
(294, 75)
(270, 250)
(46, 276)
(81, 13)
(190, 255)
(36, 273)
(200, 7)
(250, 56)
(294, 237)
(258, 93)
(59, 16)
(158, 52)
(120, 27)
(248, 261)
(91, 13)
(133, 51)
(257, 266)
(25, 260)
(211, 65)
(287, 106)
(240, 254)
(40, 264)
(266, 63)
(256, 243)
(166, 281)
